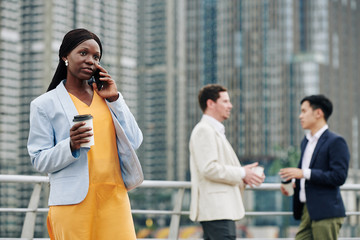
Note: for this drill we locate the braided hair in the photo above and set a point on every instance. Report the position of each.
(71, 40)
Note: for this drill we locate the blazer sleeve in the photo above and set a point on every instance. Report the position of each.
(335, 173)
(127, 121)
(46, 157)
(204, 148)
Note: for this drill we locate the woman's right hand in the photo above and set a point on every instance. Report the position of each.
(78, 135)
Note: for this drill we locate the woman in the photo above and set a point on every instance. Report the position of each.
(88, 186)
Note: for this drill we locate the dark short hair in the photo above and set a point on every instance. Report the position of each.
(210, 91)
(71, 40)
(320, 101)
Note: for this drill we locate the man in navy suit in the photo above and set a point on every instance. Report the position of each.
(322, 170)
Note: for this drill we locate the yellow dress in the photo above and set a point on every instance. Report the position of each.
(105, 213)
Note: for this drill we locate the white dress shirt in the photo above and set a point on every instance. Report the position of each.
(309, 150)
(216, 124)
(221, 129)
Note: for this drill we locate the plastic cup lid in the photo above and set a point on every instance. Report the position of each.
(284, 182)
(79, 118)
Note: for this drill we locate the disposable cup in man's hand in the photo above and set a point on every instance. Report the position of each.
(88, 120)
(288, 187)
(258, 170)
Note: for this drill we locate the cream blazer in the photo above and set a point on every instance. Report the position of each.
(217, 185)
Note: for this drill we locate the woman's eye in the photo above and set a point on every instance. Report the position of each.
(96, 58)
(83, 53)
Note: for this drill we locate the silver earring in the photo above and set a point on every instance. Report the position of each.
(66, 62)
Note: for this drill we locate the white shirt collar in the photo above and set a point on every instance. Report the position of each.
(317, 135)
(215, 123)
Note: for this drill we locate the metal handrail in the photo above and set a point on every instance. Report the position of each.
(32, 210)
(157, 183)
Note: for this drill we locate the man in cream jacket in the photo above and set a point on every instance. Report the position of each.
(217, 177)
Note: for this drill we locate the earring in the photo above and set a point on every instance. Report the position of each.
(66, 62)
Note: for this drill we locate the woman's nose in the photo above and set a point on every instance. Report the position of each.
(90, 60)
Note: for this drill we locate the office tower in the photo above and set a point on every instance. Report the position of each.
(127, 53)
(12, 121)
(152, 86)
(267, 30)
(162, 91)
(248, 46)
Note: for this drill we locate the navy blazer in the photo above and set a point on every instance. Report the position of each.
(329, 168)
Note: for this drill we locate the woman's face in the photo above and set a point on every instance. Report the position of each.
(83, 59)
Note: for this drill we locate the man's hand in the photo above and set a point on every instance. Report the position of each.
(290, 173)
(251, 178)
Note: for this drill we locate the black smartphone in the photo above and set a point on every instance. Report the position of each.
(96, 79)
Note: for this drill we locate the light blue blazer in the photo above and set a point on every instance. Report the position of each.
(51, 116)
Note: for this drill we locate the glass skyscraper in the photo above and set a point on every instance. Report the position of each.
(270, 54)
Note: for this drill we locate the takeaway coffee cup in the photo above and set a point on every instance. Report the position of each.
(288, 186)
(88, 120)
(258, 170)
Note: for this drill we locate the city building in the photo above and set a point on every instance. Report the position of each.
(162, 89)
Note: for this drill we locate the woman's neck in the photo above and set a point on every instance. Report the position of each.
(80, 89)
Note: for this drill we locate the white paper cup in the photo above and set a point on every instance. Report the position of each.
(88, 120)
(288, 186)
(258, 170)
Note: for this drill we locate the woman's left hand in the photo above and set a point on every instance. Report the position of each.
(109, 88)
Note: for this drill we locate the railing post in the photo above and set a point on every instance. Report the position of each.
(175, 217)
(30, 217)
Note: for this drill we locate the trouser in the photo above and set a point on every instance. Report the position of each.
(219, 230)
(317, 230)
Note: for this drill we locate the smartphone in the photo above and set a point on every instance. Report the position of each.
(96, 79)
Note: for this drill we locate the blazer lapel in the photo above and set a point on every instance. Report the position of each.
(319, 144)
(302, 146)
(226, 143)
(66, 102)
